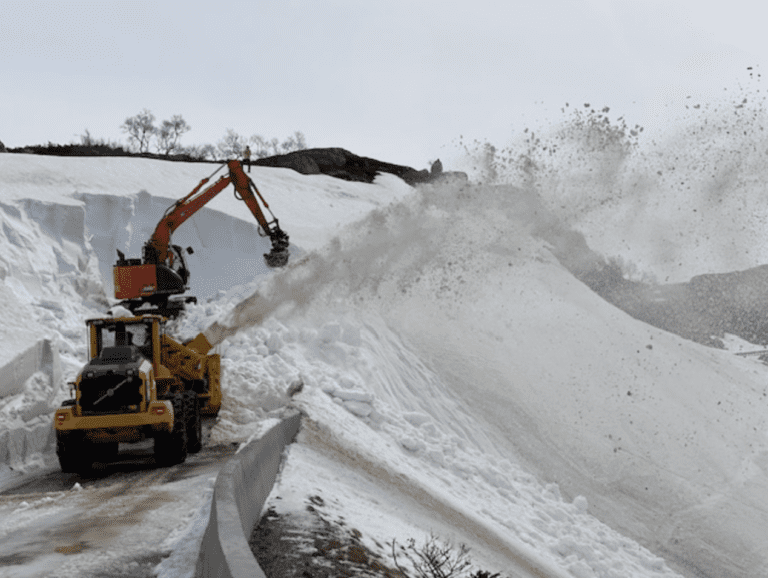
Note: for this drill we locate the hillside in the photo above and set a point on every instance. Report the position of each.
(449, 359)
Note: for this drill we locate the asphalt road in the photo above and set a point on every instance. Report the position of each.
(118, 522)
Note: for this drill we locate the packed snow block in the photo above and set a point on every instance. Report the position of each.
(241, 489)
(42, 356)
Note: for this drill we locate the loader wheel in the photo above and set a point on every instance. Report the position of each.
(105, 452)
(194, 423)
(74, 452)
(171, 448)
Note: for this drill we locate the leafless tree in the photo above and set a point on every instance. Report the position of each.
(295, 142)
(140, 129)
(261, 148)
(169, 133)
(265, 148)
(232, 145)
(434, 559)
(199, 152)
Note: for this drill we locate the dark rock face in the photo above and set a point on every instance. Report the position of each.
(2, 147)
(342, 164)
(703, 310)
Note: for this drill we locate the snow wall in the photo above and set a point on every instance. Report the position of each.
(228, 250)
(57, 250)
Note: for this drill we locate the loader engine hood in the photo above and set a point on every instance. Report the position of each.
(114, 381)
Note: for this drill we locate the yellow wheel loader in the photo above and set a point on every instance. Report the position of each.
(139, 384)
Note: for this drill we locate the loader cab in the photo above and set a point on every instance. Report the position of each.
(141, 334)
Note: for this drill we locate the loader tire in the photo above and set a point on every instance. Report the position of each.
(75, 453)
(105, 452)
(171, 447)
(194, 423)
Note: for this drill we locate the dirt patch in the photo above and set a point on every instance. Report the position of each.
(310, 545)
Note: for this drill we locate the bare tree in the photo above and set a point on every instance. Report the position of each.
(296, 142)
(265, 148)
(169, 133)
(434, 559)
(86, 138)
(260, 146)
(140, 129)
(232, 145)
(200, 152)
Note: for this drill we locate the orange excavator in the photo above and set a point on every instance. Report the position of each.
(148, 283)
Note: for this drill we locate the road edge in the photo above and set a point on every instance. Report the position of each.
(241, 489)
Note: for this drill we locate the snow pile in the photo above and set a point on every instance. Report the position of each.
(368, 396)
(510, 332)
(48, 282)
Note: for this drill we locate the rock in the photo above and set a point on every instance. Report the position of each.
(342, 164)
(2, 147)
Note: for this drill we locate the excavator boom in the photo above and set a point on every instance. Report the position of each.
(162, 270)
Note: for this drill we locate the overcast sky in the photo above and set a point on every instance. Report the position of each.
(395, 80)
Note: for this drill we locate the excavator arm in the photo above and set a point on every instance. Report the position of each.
(158, 248)
(162, 271)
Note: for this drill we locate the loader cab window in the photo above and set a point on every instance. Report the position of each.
(119, 334)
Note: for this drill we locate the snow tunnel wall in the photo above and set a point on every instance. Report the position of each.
(227, 251)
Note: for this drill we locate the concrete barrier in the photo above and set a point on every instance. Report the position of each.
(241, 489)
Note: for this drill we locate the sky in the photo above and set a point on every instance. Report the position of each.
(399, 81)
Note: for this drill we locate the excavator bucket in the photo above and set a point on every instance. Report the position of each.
(276, 258)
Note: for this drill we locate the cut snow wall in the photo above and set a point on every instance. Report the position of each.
(42, 356)
(227, 251)
(241, 490)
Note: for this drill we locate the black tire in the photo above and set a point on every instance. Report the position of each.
(171, 448)
(105, 452)
(194, 423)
(74, 452)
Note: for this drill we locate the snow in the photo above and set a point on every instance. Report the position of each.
(455, 377)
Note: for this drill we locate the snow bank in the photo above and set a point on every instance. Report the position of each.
(48, 282)
(61, 222)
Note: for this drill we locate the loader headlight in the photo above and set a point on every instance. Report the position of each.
(130, 372)
(89, 375)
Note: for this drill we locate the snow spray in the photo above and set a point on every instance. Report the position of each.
(672, 202)
(441, 235)
(664, 208)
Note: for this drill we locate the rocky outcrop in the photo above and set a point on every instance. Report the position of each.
(342, 164)
(2, 147)
(703, 309)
